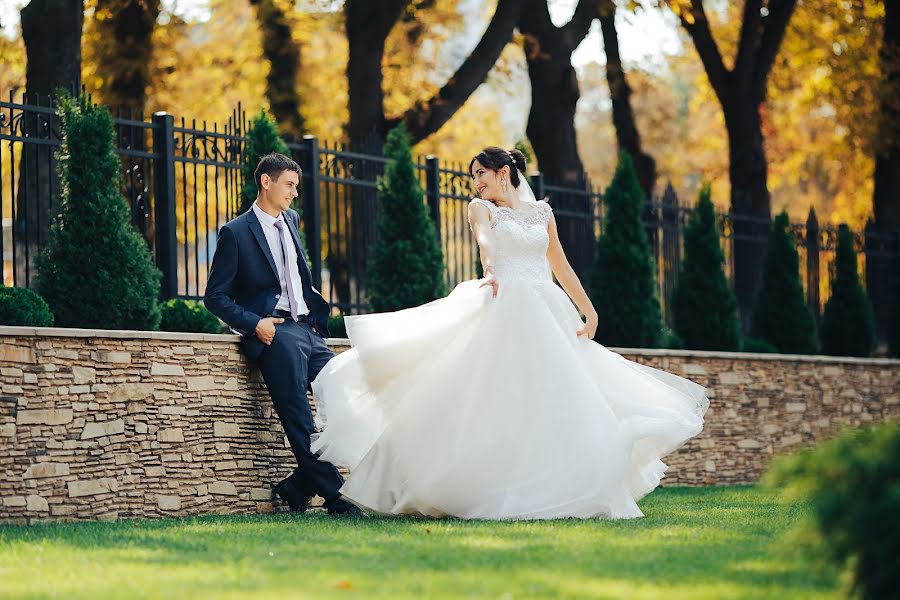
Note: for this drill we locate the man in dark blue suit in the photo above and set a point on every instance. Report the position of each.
(261, 286)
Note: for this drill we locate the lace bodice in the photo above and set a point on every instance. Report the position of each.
(520, 240)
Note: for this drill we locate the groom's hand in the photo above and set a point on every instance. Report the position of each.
(265, 329)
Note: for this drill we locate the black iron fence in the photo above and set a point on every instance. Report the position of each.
(182, 181)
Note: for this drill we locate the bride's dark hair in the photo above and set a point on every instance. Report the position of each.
(496, 158)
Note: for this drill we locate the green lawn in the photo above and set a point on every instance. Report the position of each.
(694, 543)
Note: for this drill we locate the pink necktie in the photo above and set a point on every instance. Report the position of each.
(279, 225)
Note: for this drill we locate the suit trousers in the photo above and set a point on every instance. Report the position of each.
(289, 364)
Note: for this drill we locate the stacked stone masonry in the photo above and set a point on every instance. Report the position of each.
(121, 424)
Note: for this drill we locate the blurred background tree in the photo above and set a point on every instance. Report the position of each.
(644, 76)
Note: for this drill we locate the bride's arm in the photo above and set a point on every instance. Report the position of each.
(480, 224)
(568, 279)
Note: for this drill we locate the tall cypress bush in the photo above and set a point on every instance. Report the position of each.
(703, 306)
(96, 271)
(781, 316)
(623, 281)
(848, 323)
(406, 267)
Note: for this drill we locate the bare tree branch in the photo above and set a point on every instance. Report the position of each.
(578, 26)
(748, 43)
(774, 27)
(427, 117)
(627, 135)
(283, 56)
(697, 26)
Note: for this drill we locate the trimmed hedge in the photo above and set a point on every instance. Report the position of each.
(96, 271)
(852, 483)
(23, 307)
(188, 316)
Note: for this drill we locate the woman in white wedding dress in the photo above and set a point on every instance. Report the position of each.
(495, 402)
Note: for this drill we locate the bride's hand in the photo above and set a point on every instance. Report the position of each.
(589, 330)
(489, 280)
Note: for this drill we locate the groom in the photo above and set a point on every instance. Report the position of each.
(261, 286)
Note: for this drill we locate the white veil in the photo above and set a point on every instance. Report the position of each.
(523, 192)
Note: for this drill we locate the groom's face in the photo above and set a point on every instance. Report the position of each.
(283, 189)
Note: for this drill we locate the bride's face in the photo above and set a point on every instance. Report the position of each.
(487, 181)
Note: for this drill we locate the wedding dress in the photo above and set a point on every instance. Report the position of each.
(484, 407)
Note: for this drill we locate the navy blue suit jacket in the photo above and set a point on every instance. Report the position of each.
(243, 285)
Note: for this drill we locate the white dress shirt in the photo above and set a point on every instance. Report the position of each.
(268, 225)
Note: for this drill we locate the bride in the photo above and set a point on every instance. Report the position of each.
(495, 402)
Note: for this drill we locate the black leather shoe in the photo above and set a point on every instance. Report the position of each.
(288, 492)
(350, 510)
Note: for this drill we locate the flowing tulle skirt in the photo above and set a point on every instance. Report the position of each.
(492, 408)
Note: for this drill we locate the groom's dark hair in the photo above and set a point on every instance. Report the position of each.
(274, 165)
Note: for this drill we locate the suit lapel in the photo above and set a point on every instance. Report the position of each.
(301, 259)
(256, 228)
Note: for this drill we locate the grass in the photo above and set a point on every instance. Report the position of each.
(713, 542)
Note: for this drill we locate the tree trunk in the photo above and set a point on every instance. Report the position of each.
(551, 122)
(883, 272)
(368, 25)
(125, 47)
(51, 30)
(551, 131)
(741, 91)
(627, 135)
(748, 173)
(283, 55)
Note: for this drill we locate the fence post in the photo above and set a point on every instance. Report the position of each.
(537, 185)
(164, 203)
(651, 219)
(433, 190)
(670, 251)
(312, 207)
(812, 262)
(882, 250)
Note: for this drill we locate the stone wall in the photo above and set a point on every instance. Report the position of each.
(121, 424)
(763, 405)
